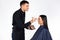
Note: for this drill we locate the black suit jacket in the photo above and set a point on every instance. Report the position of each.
(19, 23)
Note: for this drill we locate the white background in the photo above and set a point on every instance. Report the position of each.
(51, 8)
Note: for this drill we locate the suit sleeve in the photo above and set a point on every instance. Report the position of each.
(19, 22)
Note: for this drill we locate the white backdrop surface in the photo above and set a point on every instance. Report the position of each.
(51, 8)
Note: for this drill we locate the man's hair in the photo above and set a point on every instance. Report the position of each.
(23, 2)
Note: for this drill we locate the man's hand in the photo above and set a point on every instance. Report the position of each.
(31, 27)
(33, 20)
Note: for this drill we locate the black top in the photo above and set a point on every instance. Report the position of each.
(19, 20)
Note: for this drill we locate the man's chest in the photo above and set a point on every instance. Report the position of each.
(22, 17)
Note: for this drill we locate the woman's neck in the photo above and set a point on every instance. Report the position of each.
(41, 24)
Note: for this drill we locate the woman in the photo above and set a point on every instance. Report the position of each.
(43, 32)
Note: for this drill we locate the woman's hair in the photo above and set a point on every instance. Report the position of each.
(44, 18)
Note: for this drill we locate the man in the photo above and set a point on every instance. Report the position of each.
(18, 22)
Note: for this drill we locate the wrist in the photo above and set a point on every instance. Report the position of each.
(31, 21)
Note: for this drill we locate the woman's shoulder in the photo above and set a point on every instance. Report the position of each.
(45, 30)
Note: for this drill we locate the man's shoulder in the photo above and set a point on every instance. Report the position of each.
(16, 12)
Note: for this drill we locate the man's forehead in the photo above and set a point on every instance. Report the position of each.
(25, 4)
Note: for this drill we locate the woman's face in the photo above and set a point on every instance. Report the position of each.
(40, 21)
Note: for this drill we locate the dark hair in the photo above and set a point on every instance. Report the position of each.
(23, 2)
(44, 18)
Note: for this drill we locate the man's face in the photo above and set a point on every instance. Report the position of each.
(25, 7)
